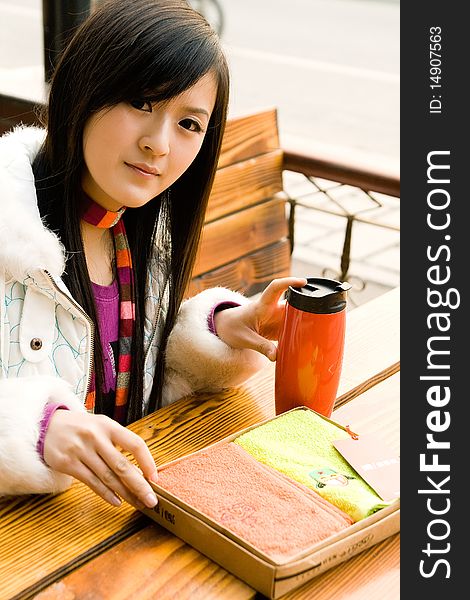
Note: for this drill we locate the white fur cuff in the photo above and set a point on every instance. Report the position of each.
(198, 360)
(22, 402)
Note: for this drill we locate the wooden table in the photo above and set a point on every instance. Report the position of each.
(75, 546)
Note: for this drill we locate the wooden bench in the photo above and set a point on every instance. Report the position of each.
(245, 241)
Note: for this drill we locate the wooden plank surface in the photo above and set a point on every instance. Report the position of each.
(379, 318)
(240, 233)
(245, 183)
(371, 575)
(167, 568)
(45, 537)
(153, 564)
(249, 135)
(249, 173)
(246, 272)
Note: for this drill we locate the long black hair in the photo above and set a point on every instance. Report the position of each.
(153, 49)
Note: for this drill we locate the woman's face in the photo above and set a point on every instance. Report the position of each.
(133, 152)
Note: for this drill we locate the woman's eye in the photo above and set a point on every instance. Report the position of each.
(191, 125)
(141, 104)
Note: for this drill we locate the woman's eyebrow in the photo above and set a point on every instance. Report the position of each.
(194, 109)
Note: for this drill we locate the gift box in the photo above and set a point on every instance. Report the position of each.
(259, 506)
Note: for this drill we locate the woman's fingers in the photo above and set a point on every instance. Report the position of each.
(88, 477)
(252, 340)
(112, 484)
(133, 443)
(252, 325)
(274, 290)
(121, 475)
(84, 446)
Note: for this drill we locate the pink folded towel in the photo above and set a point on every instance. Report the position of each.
(266, 509)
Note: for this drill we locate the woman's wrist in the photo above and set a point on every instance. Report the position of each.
(218, 308)
(48, 413)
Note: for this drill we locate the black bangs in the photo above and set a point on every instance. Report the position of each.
(169, 74)
(162, 51)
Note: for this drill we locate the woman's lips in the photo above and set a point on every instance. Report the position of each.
(143, 169)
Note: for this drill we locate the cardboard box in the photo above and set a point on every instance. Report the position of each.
(247, 562)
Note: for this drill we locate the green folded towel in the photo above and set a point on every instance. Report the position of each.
(299, 444)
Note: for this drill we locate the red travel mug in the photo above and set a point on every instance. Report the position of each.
(310, 346)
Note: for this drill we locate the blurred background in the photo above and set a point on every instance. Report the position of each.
(331, 69)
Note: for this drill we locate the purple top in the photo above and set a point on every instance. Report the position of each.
(107, 308)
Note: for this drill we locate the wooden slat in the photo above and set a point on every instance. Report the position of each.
(183, 573)
(248, 136)
(373, 574)
(239, 234)
(244, 274)
(36, 548)
(188, 575)
(44, 537)
(245, 183)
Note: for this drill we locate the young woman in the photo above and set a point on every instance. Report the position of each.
(101, 215)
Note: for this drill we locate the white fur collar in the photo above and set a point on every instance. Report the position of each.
(25, 244)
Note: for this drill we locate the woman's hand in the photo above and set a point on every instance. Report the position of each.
(254, 324)
(86, 446)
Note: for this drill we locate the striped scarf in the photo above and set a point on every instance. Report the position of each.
(96, 215)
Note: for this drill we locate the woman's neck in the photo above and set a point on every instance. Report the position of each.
(99, 253)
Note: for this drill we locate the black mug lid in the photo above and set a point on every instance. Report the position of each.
(320, 295)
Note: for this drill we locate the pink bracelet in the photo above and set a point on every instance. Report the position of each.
(49, 410)
(217, 308)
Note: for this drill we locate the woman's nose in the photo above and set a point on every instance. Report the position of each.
(157, 142)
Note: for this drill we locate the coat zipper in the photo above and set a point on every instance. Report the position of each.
(92, 336)
(87, 318)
